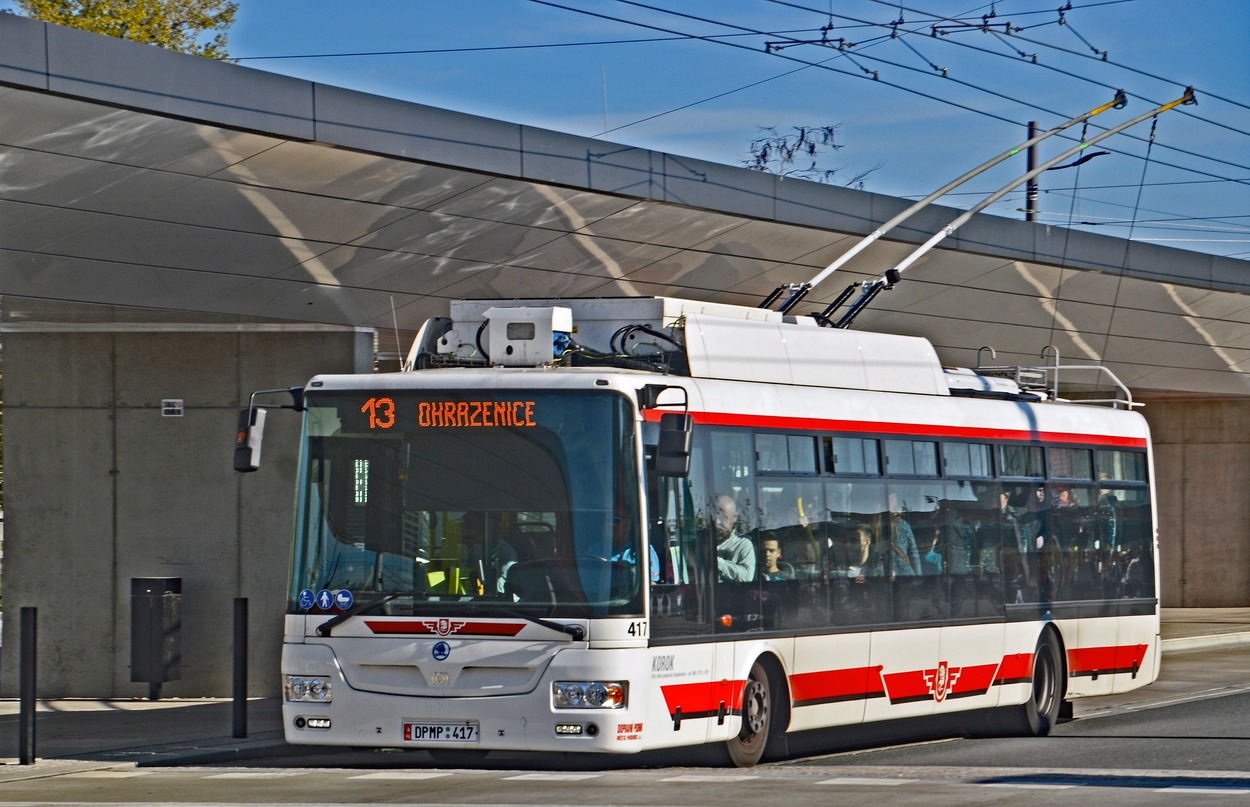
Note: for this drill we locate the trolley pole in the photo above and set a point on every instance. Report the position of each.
(26, 685)
(240, 667)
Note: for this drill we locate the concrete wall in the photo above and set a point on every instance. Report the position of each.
(1202, 473)
(102, 488)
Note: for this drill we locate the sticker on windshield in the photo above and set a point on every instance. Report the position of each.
(343, 599)
(307, 599)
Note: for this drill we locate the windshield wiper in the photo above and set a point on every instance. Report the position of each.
(359, 608)
(576, 633)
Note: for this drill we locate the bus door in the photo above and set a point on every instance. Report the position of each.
(684, 680)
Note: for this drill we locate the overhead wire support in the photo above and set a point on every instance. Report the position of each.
(1063, 23)
(892, 276)
(1031, 57)
(943, 70)
(985, 27)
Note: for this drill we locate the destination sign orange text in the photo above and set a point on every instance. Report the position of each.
(489, 414)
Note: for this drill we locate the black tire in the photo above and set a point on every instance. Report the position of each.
(747, 748)
(1040, 712)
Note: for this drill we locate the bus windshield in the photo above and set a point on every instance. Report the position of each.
(466, 501)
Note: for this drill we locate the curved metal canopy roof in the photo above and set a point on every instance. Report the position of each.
(143, 186)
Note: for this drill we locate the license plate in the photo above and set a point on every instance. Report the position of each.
(416, 731)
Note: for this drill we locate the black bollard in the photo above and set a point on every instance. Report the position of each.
(240, 667)
(26, 685)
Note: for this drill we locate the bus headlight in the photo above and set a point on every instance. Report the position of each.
(306, 689)
(589, 694)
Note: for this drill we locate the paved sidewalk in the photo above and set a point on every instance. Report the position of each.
(1204, 628)
(86, 734)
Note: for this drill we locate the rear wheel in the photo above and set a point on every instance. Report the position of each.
(1040, 712)
(748, 747)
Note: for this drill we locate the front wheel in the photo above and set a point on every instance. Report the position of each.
(747, 748)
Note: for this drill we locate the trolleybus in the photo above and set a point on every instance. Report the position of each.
(618, 525)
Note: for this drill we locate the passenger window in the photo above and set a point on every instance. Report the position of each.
(910, 458)
(793, 515)
(802, 454)
(968, 460)
(733, 461)
(913, 551)
(1021, 461)
(859, 586)
(1124, 515)
(771, 453)
(852, 455)
(1071, 463)
(1129, 466)
(785, 453)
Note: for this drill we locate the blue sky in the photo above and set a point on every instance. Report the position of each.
(704, 86)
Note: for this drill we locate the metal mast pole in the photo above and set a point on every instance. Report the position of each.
(1030, 193)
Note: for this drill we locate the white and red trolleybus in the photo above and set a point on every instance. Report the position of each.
(618, 525)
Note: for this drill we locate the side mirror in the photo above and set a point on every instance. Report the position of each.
(672, 452)
(248, 439)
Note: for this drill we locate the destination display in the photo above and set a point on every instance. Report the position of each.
(473, 414)
(383, 413)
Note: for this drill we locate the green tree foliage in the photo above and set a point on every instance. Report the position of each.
(182, 25)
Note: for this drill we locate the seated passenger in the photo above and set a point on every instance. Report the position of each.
(735, 557)
(774, 569)
(855, 555)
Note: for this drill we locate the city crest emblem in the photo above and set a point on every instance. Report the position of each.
(444, 626)
(942, 680)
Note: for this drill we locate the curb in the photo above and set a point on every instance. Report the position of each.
(1212, 641)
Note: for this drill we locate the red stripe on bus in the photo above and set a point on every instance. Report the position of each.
(966, 682)
(940, 683)
(903, 429)
(912, 685)
(705, 698)
(1015, 668)
(858, 683)
(453, 627)
(828, 686)
(1106, 660)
